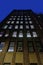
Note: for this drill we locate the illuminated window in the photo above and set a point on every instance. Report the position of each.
(14, 18)
(10, 27)
(32, 27)
(26, 22)
(28, 34)
(34, 34)
(18, 18)
(21, 26)
(30, 22)
(14, 34)
(21, 16)
(21, 19)
(21, 22)
(29, 18)
(17, 22)
(1, 46)
(5, 27)
(16, 26)
(6, 35)
(25, 18)
(10, 18)
(1, 34)
(8, 22)
(27, 26)
(11, 47)
(12, 22)
(20, 34)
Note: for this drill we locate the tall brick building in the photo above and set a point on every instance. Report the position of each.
(21, 38)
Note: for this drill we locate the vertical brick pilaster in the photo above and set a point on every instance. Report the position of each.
(25, 53)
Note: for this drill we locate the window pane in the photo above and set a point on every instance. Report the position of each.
(14, 18)
(26, 22)
(12, 22)
(18, 64)
(31, 49)
(10, 27)
(16, 26)
(25, 18)
(38, 44)
(11, 44)
(30, 22)
(6, 63)
(21, 19)
(28, 34)
(8, 22)
(14, 34)
(33, 63)
(20, 34)
(6, 35)
(21, 26)
(29, 18)
(21, 22)
(27, 26)
(11, 49)
(21, 16)
(30, 44)
(1, 46)
(10, 18)
(34, 34)
(32, 27)
(19, 46)
(18, 18)
(1, 34)
(5, 27)
(17, 22)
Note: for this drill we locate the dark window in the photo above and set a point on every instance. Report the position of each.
(19, 46)
(30, 46)
(6, 63)
(18, 63)
(33, 63)
(39, 46)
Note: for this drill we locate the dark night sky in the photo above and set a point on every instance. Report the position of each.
(6, 6)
